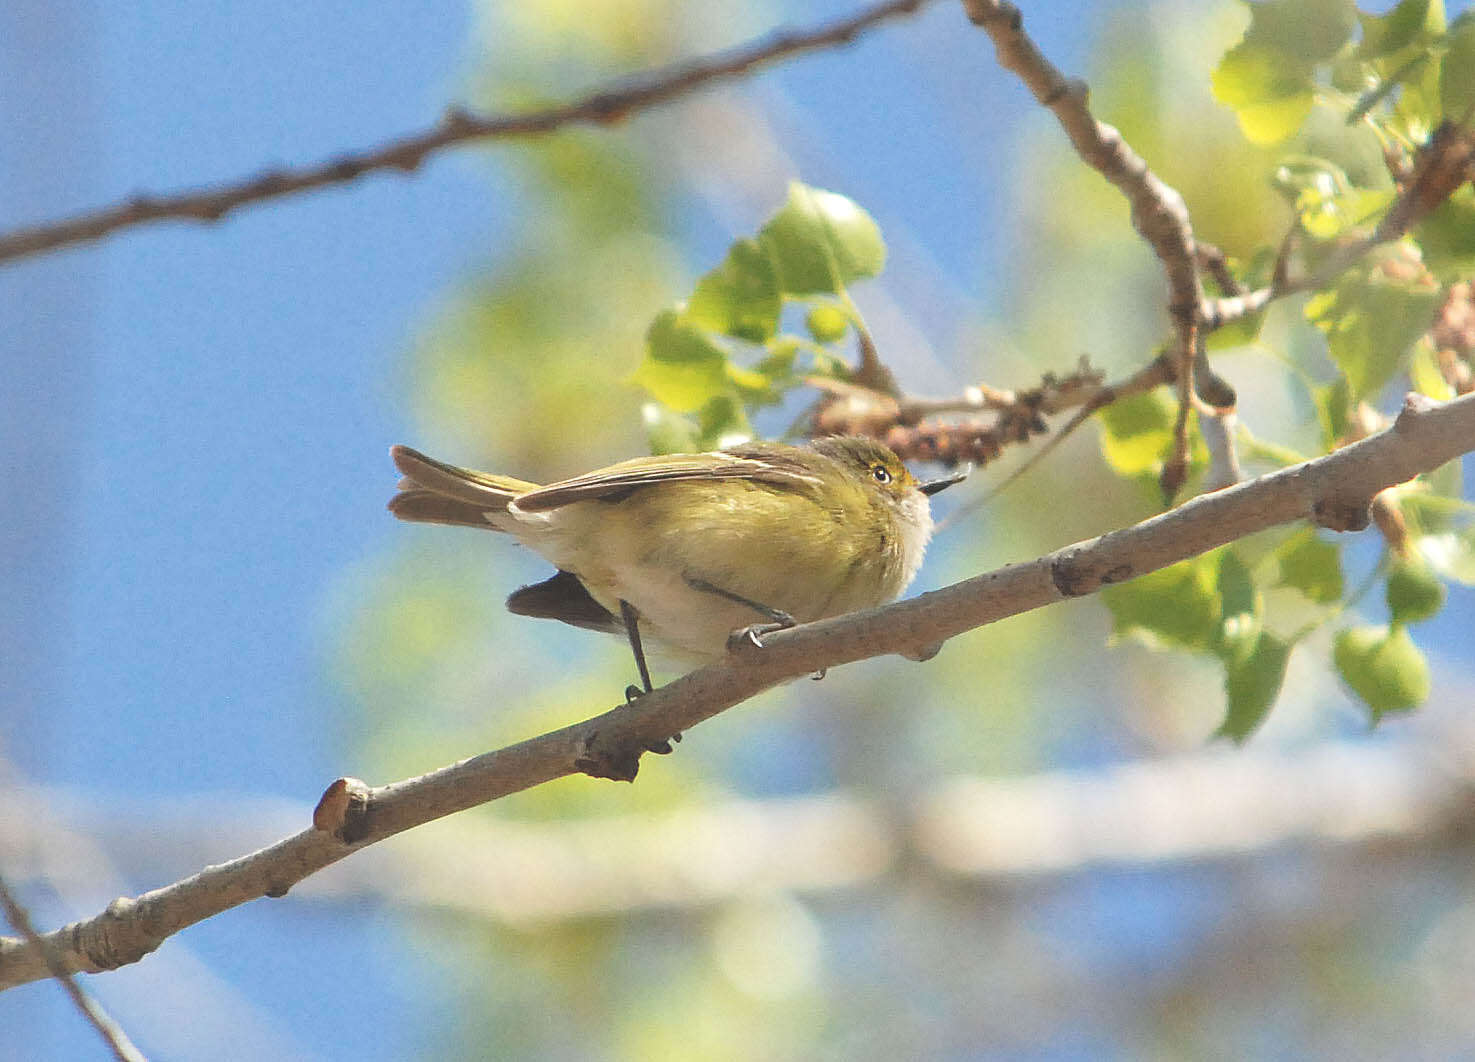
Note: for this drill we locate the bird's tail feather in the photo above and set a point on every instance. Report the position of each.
(434, 492)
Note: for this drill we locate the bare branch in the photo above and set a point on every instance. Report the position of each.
(601, 107)
(1175, 468)
(1158, 212)
(1335, 491)
(901, 421)
(1155, 373)
(1213, 261)
(111, 1033)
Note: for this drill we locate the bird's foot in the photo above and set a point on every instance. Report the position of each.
(660, 748)
(752, 635)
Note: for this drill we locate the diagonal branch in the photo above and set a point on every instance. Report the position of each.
(111, 1032)
(1334, 490)
(601, 107)
(1158, 212)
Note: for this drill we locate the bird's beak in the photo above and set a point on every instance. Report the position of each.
(932, 486)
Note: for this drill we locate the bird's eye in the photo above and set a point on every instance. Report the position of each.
(880, 474)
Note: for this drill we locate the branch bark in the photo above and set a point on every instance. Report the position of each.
(604, 106)
(1334, 491)
(111, 1032)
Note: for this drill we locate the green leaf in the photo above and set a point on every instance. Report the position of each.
(723, 424)
(1447, 235)
(1270, 91)
(1373, 316)
(1239, 609)
(1413, 592)
(1424, 374)
(1451, 554)
(1446, 484)
(1383, 667)
(778, 363)
(1410, 22)
(1268, 78)
(1311, 566)
(821, 242)
(754, 385)
(1333, 404)
(740, 297)
(1401, 51)
(1252, 683)
(827, 324)
(684, 368)
(1137, 433)
(1439, 522)
(1315, 30)
(1301, 178)
(668, 432)
(1326, 218)
(1457, 73)
(1176, 606)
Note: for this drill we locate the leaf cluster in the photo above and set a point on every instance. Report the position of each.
(713, 360)
(1392, 80)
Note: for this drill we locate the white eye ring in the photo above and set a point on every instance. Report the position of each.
(880, 474)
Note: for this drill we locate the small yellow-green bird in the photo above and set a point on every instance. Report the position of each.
(685, 549)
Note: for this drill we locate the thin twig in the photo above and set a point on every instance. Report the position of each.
(1334, 491)
(1053, 394)
(1159, 213)
(1213, 261)
(1155, 373)
(1444, 164)
(1175, 469)
(901, 421)
(110, 1031)
(601, 107)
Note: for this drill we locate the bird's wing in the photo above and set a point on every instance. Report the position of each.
(757, 464)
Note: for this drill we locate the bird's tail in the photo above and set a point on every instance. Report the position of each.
(434, 492)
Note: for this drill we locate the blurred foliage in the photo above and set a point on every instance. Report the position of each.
(1328, 91)
(815, 246)
(571, 342)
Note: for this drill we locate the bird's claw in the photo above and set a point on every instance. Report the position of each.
(753, 634)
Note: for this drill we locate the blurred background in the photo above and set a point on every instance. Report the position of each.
(1030, 847)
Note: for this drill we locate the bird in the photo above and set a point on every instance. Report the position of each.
(684, 550)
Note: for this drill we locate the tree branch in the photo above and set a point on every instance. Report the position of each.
(602, 107)
(1446, 162)
(1158, 212)
(1335, 491)
(111, 1032)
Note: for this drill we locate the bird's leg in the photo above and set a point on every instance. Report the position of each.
(632, 630)
(754, 633)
